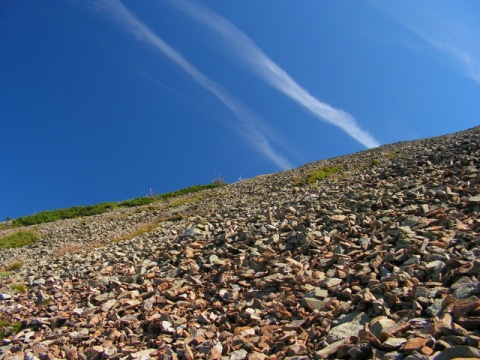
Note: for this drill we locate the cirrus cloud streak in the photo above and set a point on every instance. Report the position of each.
(273, 74)
(250, 124)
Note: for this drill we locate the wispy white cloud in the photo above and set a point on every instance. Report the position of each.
(250, 124)
(451, 27)
(270, 72)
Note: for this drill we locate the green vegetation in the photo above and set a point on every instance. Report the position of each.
(54, 215)
(391, 155)
(318, 174)
(79, 211)
(188, 190)
(176, 217)
(189, 200)
(149, 227)
(374, 162)
(18, 239)
(18, 286)
(5, 274)
(13, 266)
(7, 328)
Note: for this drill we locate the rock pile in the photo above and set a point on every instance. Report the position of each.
(378, 261)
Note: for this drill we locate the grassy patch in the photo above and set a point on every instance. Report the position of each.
(318, 174)
(5, 274)
(189, 200)
(176, 217)
(14, 266)
(18, 286)
(141, 230)
(60, 214)
(392, 154)
(188, 190)
(70, 248)
(7, 328)
(18, 239)
(374, 162)
(149, 227)
(79, 211)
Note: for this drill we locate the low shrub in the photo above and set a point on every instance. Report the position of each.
(18, 286)
(7, 328)
(318, 174)
(18, 239)
(79, 211)
(14, 265)
(5, 274)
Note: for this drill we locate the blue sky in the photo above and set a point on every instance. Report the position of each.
(103, 100)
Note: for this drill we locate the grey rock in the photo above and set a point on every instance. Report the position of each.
(348, 326)
(5, 296)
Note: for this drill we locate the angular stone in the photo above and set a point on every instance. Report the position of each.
(5, 296)
(415, 344)
(379, 324)
(457, 352)
(314, 304)
(330, 350)
(463, 307)
(349, 326)
(106, 306)
(393, 343)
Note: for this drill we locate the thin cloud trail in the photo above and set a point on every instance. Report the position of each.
(133, 25)
(270, 72)
(452, 29)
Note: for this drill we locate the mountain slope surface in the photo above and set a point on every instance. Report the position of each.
(368, 256)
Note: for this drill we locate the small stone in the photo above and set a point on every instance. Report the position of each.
(331, 349)
(463, 288)
(457, 352)
(380, 323)
(349, 326)
(463, 307)
(5, 296)
(415, 343)
(39, 281)
(239, 355)
(393, 343)
(474, 199)
(106, 306)
(314, 304)
(257, 356)
(332, 282)
(167, 327)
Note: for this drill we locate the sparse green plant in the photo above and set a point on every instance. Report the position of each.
(5, 274)
(176, 217)
(79, 211)
(18, 239)
(141, 230)
(393, 154)
(318, 174)
(46, 302)
(374, 162)
(14, 265)
(190, 200)
(18, 286)
(7, 328)
(70, 248)
(218, 180)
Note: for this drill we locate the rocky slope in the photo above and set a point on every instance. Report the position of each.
(377, 261)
